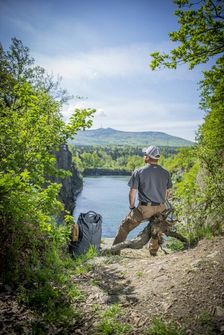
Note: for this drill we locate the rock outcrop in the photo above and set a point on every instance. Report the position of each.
(71, 185)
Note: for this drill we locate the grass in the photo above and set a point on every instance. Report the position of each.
(207, 322)
(160, 327)
(174, 244)
(82, 263)
(50, 292)
(109, 323)
(139, 274)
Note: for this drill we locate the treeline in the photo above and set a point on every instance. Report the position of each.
(111, 157)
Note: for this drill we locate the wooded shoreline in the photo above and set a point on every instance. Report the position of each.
(105, 172)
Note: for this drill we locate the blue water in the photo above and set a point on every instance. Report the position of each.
(108, 196)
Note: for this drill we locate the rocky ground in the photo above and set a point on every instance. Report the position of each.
(185, 286)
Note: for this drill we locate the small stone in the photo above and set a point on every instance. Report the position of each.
(219, 312)
(213, 254)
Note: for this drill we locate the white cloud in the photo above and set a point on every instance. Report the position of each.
(112, 62)
(125, 61)
(119, 61)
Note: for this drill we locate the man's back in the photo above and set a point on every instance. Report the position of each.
(151, 181)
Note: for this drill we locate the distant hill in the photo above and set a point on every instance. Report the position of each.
(108, 136)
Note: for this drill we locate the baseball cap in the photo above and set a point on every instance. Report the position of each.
(152, 151)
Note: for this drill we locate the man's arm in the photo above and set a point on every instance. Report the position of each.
(132, 195)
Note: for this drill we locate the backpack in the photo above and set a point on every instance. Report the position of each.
(85, 233)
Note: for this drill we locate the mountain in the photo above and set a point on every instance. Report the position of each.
(108, 136)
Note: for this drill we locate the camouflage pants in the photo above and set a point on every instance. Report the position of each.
(133, 219)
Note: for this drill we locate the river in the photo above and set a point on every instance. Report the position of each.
(108, 196)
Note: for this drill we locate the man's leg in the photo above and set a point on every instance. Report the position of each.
(154, 240)
(132, 220)
(149, 211)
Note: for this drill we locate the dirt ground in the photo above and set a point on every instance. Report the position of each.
(185, 286)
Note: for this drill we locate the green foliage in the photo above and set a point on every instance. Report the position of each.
(200, 36)
(139, 274)
(83, 264)
(183, 160)
(211, 138)
(109, 324)
(125, 158)
(48, 290)
(17, 66)
(174, 244)
(134, 162)
(47, 287)
(201, 188)
(32, 259)
(160, 327)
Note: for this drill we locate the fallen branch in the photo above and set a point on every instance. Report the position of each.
(157, 226)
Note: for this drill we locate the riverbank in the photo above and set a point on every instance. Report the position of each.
(105, 172)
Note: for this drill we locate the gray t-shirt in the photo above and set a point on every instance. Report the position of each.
(151, 181)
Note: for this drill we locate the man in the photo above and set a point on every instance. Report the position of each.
(152, 183)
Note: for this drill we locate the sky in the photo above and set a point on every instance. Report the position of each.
(101, 49)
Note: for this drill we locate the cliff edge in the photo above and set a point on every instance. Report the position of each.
(71, 185)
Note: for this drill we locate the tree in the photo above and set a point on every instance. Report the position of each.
(201, 38)
(32, 129)
(201, 34)
(17, 62)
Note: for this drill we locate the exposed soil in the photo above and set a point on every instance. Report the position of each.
(186, 287)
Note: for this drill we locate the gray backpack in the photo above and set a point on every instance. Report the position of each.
(89, 233)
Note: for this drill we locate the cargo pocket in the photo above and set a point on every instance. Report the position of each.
(135, 216)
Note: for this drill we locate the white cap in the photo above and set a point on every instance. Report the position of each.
(152, 152)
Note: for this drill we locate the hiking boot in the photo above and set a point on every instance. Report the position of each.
(153, 253)
(153, 246)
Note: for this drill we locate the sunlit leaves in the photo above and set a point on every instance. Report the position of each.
(200, 37)
(32, 130)
(80, 119)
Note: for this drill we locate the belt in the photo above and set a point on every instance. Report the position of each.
(151, 203)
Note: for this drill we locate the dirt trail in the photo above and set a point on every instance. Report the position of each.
(185, 286)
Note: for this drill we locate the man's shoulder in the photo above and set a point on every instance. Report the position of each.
(147, 168)
(163, 169)
(141, 169)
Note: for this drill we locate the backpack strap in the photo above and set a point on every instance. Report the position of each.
(92, 217)
(75, 232)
